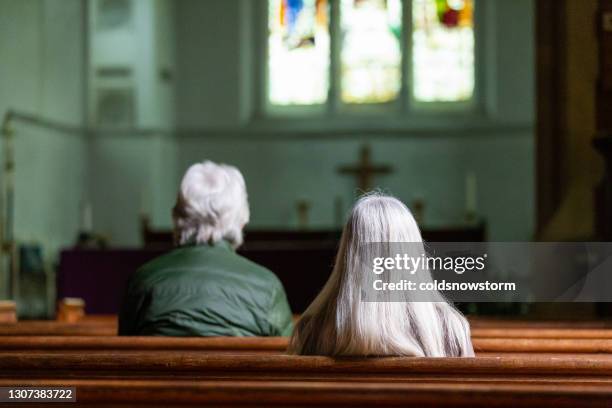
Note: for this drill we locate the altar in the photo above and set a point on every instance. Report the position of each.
(302, 260)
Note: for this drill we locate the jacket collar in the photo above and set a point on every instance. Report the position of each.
(224, 244)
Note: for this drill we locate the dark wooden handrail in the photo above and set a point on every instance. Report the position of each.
(275, 344)
(152, 363)
(164, 393)
(481, 328)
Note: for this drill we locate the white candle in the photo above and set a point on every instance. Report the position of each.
(470, 193)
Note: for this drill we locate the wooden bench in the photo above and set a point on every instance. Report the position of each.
(193, 364)
(276, 344)
(106, 325)
(183, 378)
(235, 371)
(242, 393)
(512, 323)
(541, 333)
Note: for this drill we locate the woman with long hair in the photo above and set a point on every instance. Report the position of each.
(339, 322)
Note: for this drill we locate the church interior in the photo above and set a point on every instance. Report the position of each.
(490, 119)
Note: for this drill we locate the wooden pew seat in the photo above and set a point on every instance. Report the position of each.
(170, 393)
(206, 365)
(106, 325)
(185, 378)
(86, 327)
(274, 344)
(518, 364)
(542, 333)
(546, 371)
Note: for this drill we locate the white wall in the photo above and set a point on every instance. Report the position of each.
(432, 167)
(208, 51)
(132, 175)
(136, 174)
(41, 72)
(431, 163)
(41, 49)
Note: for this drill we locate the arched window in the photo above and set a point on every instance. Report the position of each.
(341, 53)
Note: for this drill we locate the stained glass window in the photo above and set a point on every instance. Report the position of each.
(298, 59)
(440, 66)
(443, 50)
(370, 50)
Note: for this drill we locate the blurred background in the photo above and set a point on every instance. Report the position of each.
(478, 114)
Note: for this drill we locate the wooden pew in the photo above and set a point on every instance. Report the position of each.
(185, 378)
(173, 393)
(240, 371)
(106, 325)
(583, 368)
(195, 372)
(541, 333)
(53, 328)
(275, 344)
(511, 323)
(542, 345)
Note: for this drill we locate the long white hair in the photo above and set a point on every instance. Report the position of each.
(339, 322)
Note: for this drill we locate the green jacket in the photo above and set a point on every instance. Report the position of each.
(204, 290)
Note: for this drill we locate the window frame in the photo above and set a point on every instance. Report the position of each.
(405, 111)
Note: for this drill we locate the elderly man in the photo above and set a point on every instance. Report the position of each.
(204, 288)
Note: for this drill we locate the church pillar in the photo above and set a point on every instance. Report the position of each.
(603, 143)
(568, 167)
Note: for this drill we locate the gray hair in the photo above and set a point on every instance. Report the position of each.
(339, 323)
(211, 205)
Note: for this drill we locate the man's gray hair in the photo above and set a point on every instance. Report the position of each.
(211, 206)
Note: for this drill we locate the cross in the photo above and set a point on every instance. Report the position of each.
(364, 171)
